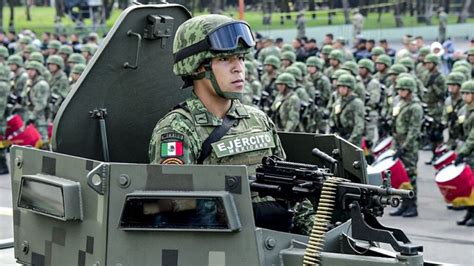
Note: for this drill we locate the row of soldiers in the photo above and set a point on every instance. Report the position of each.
(34, 83)
(369, 99)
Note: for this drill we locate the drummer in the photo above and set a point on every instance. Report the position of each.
(407, 116)
(452, 105)
(466, 152)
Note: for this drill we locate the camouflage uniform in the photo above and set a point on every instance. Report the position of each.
(269, 91)
(59, 84)
(20, 77)
(407, 118)
(373, 88)
(336, 55)
(4, 91)
(267, 51)
(348, 113)
(37, 93)
(467, 120)
(451, 111)
(322, 85)
(382, 77)
(287, 105)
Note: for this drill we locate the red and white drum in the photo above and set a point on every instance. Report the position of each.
(382, 146)
(440, 150)
(29, 137)
(455, 181)
(385, 154)
(14, 125)
(399, 175)
(444, 160)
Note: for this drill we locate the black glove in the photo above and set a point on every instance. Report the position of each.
(459, 159)
(397, 154)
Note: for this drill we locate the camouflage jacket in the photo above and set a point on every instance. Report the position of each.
(322, 85)
(451, 112)
(407, 117)
(383, 78)
(372, 86)
(330, 70)
(37, 93)
(286, 111)
(348, 118)
(19, 81)
(435, 84)
(467, 121)
(59, 84)
(270, 50)
(256, 87)
(178, 137)
(268, 81)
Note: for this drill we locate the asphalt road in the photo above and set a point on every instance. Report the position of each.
(434, 228)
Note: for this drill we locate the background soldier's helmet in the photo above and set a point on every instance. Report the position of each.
(288, 55)
(462, 63)
(57, 60)
(346, 80)
(337, 55)
(287, 79)
(37, 56)
(25, 40)
(424, 51)
(470, 51)
(468, 86)
(30, 48)
(296, 72)
(194, 31)
(464, 70)
(397, 69)
(65, 49)
(384, 59)
(78, 68)
(4, 51)
(15, 60)
(287, 48)
(273, 61)
(315, 61)
(327, 49)
(432, 58)
(377, 51)
(406, 83)
(352, 67)
(302, 67)
(250, 69)
(76, 58)
(368, 64)
(455, 78)
(339, 73)
(408, 63)
(54, 44)
(89, 48)
(35, 65)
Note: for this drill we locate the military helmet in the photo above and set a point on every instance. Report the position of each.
(250, 68)
(424, 51)
(462, 63)
(339, 73)
(35, 65)
(65, 49)
(406, 83)
(397, 69)
(201, 38)
(54, 44)
(57, 60)
(464, 70)
(30, 48)
(296, 72)
(15, 60)
(302, 67)
(327, 49)
(288, 55)
(76, 58)
(377, 51)
(455, 78)
(315, 61)
(89, 48)
(384, 59)
(470, 51)
(37, 56)
(468, 86)
(407, 62)
(337, 55)
(404, 75)
(4, 51)
(432, 58)
(78, 68)
(368, 64)
(273, 61)
(25, 40)
(346, 80)
(287, 79)
(287, 48)
(352, 67)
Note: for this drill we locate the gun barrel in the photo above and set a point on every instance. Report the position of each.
(386, 191)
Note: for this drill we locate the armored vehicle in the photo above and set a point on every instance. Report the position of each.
(82, 203)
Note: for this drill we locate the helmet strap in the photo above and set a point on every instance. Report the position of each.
(209, 74)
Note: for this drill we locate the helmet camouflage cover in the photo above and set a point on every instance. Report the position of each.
(315, 61)
(302, 67)
(378, 51)
(65, 49)
(193, 31)
(352, 67)
(3, 51)
(406, 83)
(407, 62)
(368, 64)
(455, 78)
(468, 86)
(78, 68)
(336, 54)
(462, 63)
(296, 72)
(288, 55)
(346, 80)
(37, 56)
(287, 48)
(76, 58)
(384, 59)
(327, 49)
(15, 60)
(35, 65)
(432, 58)
(287, 79)
(464, 70)
(339, 73)
(397, 69)
(57, 60)
(54, 44)
(272, 60)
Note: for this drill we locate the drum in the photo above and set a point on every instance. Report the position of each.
(399, 177)
(440, 150)
(50, 130)
(385, 154)
(455, 181)
(14, 124)
(29, 137)
(382, 146)
(444, 160)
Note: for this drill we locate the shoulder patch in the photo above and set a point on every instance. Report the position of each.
(172, 136)
(171, 149)
(172, 160)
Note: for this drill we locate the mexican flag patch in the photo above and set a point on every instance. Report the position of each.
(172, 149)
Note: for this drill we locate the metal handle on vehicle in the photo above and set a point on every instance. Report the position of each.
(137, 56)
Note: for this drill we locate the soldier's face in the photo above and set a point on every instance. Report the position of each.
(363, 72)
(429, 66)
(75, 76)
(453, 88)
(312, 69)
(380, 67)
(286, 62)
(31, 73)
(26, 56)
(334, 62)
(281, 87)
(470, 59)
(53, 68)
(343, 90)
(229, 72)
(403, 93)
(393, 77)
(13, 67)
(51, 51)
(268, 68)
(468, 97)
